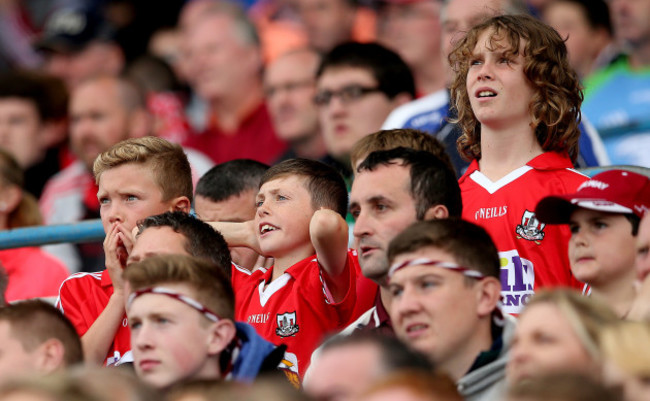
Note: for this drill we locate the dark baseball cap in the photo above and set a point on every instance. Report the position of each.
(69, 30)
(612, 191)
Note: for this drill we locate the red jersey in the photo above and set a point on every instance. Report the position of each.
(533, 255)
(82, 297)
(32, 273)
(254, 139)
(367, 292)
(295, 309)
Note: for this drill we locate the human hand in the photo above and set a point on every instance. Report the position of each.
(117, 246)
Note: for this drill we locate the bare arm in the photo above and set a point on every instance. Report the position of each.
(99, 337)
(329, 235)
(238, 234)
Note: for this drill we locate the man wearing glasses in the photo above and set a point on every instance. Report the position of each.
(445, 291)
(358, 85)
(289, 88)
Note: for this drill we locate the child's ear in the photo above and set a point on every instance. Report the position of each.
(436, 212)
(181, 204)
(223, 332)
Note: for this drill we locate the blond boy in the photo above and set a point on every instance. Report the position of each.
(137, 178)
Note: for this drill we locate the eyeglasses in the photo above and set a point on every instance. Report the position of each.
(191, 302)
(347, 95)
(466, 271)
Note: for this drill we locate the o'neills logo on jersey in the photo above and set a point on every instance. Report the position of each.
(287, 324)
(530, 228)
(490, 212)
(517, 281)
(258, 318)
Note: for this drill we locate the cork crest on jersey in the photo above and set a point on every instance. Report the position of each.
(530, 228)
(287, 324)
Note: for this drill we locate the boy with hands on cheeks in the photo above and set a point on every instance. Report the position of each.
(136, 178)
(309, 291)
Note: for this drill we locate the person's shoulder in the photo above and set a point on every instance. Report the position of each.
(71, 180)
(38, 260)
(403, 116)
(303, 266)
(83, 280)
(597, 80)
(199, 161)
(69, 175)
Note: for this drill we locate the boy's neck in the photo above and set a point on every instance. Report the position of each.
(503, 151)
(618, 293)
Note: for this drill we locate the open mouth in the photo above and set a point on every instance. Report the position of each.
(486, 93)
(416, 328)
(265, 228)
(366, 249)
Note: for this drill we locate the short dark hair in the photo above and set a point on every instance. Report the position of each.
(46, 92)
(394, 354)
(468, 243)
(635, 221)
(201, 240)
(325, 185)
(596, 13)
(211, 285)
(433, 181)
(32, 322)
(387, 67)
(230, 179)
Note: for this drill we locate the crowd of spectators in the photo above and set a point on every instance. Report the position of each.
(327, 199)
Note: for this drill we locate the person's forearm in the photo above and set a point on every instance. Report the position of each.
(237, 234)
(329, 235)
(99, 337)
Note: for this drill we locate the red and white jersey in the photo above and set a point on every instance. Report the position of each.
(296, 308)
(82, 298)
(533, 255)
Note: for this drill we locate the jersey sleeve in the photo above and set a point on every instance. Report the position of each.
(73, 303)
(345, 307)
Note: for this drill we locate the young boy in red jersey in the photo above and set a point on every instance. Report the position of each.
(518, 104)
(603, 216)
(137, 178)
(309, 291)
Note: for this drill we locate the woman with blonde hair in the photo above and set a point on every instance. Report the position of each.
(625, 346)
(32, 272)
(558, 331)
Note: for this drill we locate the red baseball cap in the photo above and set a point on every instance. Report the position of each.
(612, 191)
